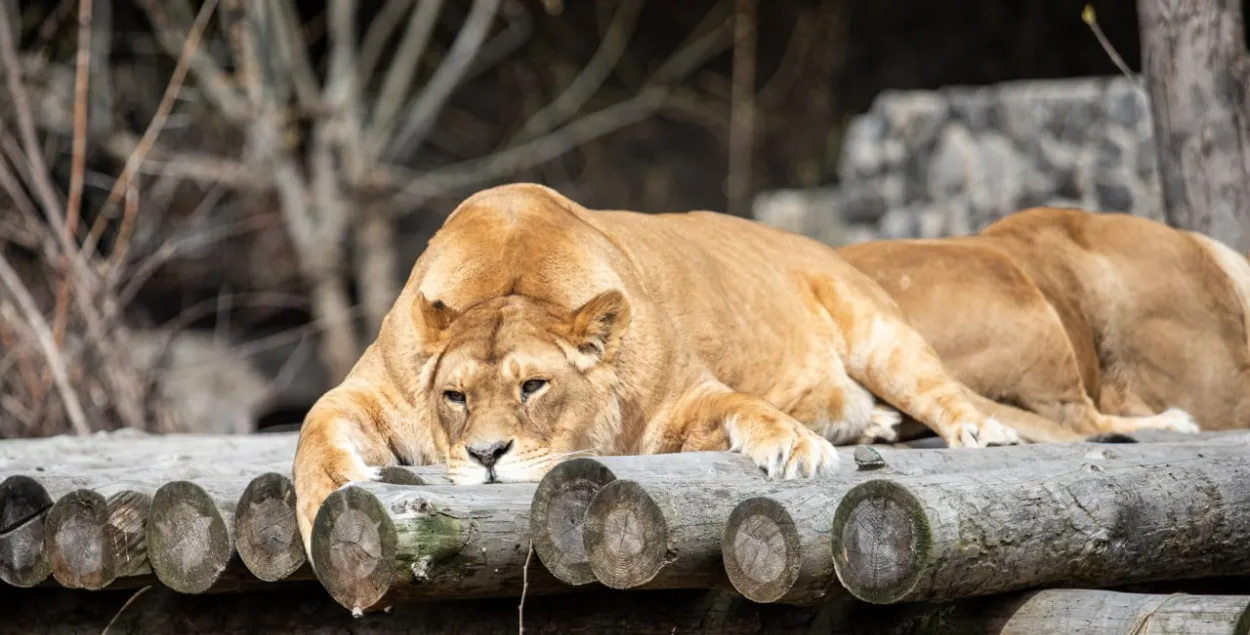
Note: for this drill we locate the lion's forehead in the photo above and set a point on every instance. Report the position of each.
(510, 360)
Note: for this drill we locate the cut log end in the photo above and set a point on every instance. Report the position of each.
(266, 530)
(92, 541)
(880, 541)
(761, 550)
(189, 543)
(626, 536)
(24, 503)
(557, 514)
(353, 546)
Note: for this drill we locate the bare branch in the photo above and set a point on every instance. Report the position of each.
(592, 76)
(423, 112)
(498, 48)
(294, 53)
(208, 75)
(26, 128)
(101, 100)
(342, 93)
(418, 189)
(43, 336)
(380, 30)
(399, 77)
(190, 46)
(421, 188)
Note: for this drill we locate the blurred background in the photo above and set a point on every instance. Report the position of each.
(207, 207)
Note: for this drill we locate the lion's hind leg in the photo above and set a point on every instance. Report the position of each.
(891, 359)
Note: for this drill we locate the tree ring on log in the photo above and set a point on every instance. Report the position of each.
(761, 550)
(75, 530)
(626, 536)
(353, 546)
(558, 513)
(266, 530)
(189, 544)
(23, 506)
(881, 540)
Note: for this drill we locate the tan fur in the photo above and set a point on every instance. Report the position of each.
(655, 332)
(1100, 322)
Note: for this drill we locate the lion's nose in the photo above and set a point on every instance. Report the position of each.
(488, 453)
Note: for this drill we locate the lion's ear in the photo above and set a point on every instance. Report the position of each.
(596, 327)
(431, 318)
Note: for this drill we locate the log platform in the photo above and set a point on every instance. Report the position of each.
(129, 532)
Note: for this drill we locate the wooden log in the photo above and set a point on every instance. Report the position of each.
(776, 547)
(190, 532)
(559, 504)
(965, 535)
(68, 454)
(24, 502)
(375, 543)
(94, 537)
(267, 535)
(663, 534)
(1084, 611)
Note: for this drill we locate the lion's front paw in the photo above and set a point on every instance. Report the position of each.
(787, 450)
(985, 434)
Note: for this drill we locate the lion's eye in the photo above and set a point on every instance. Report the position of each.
(453, 396)
(531, 386)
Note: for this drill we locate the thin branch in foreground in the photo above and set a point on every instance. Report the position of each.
(43, 336)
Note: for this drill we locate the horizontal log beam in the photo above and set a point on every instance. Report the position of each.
(376, 543)
(776, 547)
(956, 536)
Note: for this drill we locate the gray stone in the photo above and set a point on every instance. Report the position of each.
(950, 161)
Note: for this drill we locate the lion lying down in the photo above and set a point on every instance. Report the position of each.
(1100, 323)
(532, 329)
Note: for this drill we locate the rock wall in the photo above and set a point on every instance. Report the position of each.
(950, 161)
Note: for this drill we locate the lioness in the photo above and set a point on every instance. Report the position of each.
(1103, 322)
(531, 329)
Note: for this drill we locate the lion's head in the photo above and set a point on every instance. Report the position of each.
(518, 384)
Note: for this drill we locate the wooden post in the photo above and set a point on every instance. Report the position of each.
(375, 542)
(955, 536)
(1196, 70)
(267, 535)
(776, 547)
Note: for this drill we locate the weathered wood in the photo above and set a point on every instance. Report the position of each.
(94, 537)
(190, 532)
(267, 534)
(558, 510)
(1084, 611)
(965, 535)
(24, 502)
(67, 454)
(374, 543)
(1196, 69)
(776, 547)
(663, 534)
